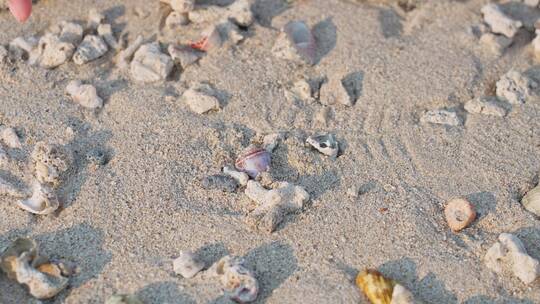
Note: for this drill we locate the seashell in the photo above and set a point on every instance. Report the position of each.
(124, 56)
(184, 55)
(531, 201)
(42, 202)
(7, 188)
(105, 32)
(123, 299)
(211, 39)
(22, 263)
(239, 282)
(326, 144)
(224, 183)
(241, 177)
(91, 48)
(253, 160)
(499, 22)
(375, 286)
(296, 42)
(51, 52)
(515, 88)
(187, 265)
(150, 64)
(274, 204)
(459, 214)
(441, 117)
(94, 19)
(10, 137)
(50, 162)
(84, 94)
(509, 252)
(200, 98)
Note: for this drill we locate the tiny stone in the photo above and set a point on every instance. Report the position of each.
(10, 138)
(51, 52)
(442, 117)
(187, 265)
(90, 49)
(353, 192)
(150, 64)
(84, 94)
(486, 106)
(459, 214)
(124, 56)
(224, 183)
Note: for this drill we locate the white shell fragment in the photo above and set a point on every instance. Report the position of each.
(401, 295)
(441, 117)
(531, 201)
(10, 189)
(10, 138)
(515, 88)
(50, 162)
(241, 177)
(184, 55)
(200, 98)
(84, 94)
(496, 44)
(296, 43)
(239, 282)
(22, 263)
(105, 32)
(510, 253)
(485, 106)
(51, 52)
(187, 265)
(125, 56)
(499, 22)
(326, 144)
(150, 64)
(42, 202)
(91, 48)
(274, 204)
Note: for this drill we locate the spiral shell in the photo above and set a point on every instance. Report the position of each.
(253, 160)
(375, 286)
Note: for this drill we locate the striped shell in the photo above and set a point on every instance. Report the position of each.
(253, 160)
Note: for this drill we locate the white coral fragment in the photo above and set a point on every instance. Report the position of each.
(84, 94)
(105, 31)
(150, 64)
(485, 106)
(499, 22)
(241, 177)
(515, 88)
(50, 162)
(509, 252)
(239, 282)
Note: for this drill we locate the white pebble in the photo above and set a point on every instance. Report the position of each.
(486, 106)
(150, 64)
(91, 48)
(10, 137)
(241, 177)
(509, 252)
(184, 55)
(442, 117)
(51, 52)
(499, 22)
(71, 32)
(84, 94)
(515, 88)
(19, 47)
(187, 265)
(200, 100)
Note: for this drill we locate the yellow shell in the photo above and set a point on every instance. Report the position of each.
(375, 286)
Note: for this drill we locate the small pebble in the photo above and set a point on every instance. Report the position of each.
(184, 55)
(71, 32)
(224, 183)
(485, 106)
(459, 214)
(150, 64)
(353, 192)
(442, 117)
(499, 22)
(51, 52)
(10, 138)
(200, 100)
(84, 94)
(187, 265)
(91, 48)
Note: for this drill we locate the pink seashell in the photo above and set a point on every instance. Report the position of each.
(253, 160)
(302, 39)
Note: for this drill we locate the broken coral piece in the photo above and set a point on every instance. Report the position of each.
(515, 87)
(91, 48)
(239, 282)
(43, 201)
(124, 57)
(274, 204)
(105, 31)
(21, 262)
(499, 22)
(184, 55)
(509, 253)
(485, 105)
(149, 64)
(51, 52)
(84, 94)
(296, 43)
(50, 162)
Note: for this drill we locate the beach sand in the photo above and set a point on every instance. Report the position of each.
(123, 224)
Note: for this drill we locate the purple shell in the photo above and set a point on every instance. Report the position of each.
(253, 161)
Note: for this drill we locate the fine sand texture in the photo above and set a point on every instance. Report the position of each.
(122, 224)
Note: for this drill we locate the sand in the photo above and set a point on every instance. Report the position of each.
(123, 223)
